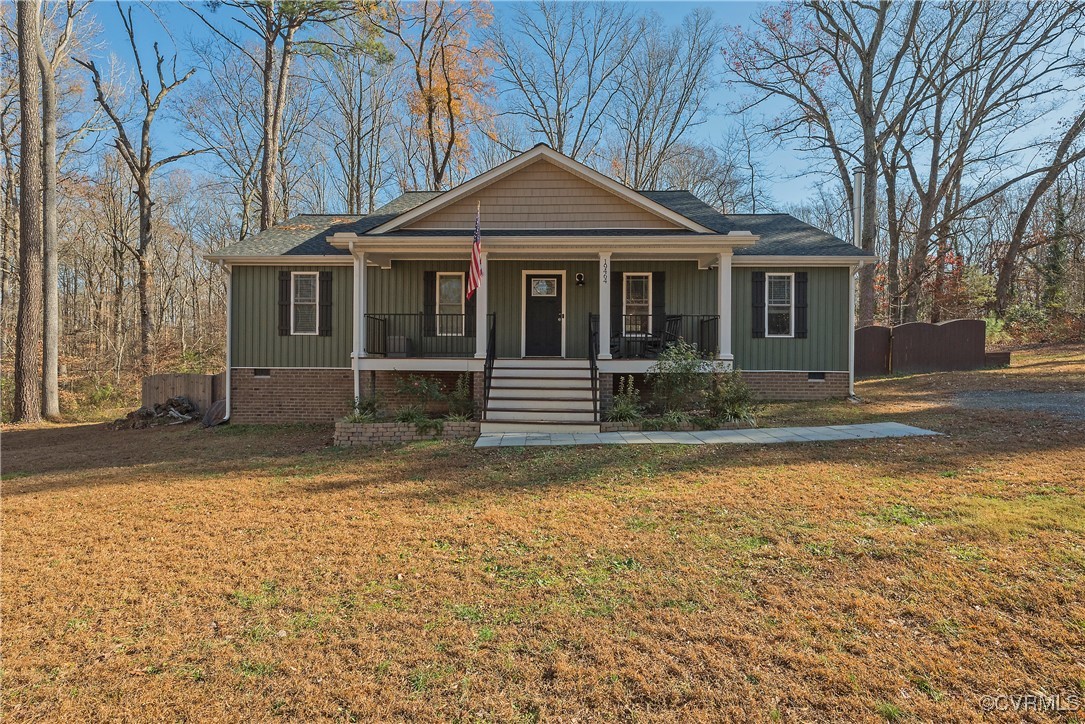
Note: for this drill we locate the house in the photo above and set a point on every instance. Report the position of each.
(574, 264)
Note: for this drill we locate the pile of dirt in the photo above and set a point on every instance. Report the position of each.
(174, 411)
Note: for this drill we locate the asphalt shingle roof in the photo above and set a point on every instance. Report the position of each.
(781, 234)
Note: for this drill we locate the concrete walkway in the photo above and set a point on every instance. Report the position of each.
(706, 437)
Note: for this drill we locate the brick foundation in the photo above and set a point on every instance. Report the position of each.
(348, 434)
(784, 386)
(769, 386)
(289, 395)
(385, 384)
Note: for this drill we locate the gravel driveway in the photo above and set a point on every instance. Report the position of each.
(1070, 405)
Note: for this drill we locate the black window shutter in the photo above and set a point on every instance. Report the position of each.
(324, 318)
(758, 286)
(800, 304)
(659, 303)
(429, 304)
(616, 292)
(469, 308)
(284, 303)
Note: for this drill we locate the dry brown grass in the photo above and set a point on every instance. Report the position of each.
(255, 574)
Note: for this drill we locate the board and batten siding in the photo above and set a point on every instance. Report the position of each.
(255, 340)
(825, 348)
(543, 196)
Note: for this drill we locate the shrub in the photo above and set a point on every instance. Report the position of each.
(419, 389)
(675, 419)
(678, 378)
(730, 399)
(411, 413)
(626, 406)
(461, 403)
(363, 409)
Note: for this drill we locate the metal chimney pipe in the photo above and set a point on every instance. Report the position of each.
(857, 207)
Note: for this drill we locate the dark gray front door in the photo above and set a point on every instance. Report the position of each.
(542, 316)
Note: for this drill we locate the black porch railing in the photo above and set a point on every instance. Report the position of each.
(491, 354)
(421, 335)
(593, 362)
(644, 336)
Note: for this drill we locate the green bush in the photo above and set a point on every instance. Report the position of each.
(419, 389)
(626, 406)
(364, 409)
(411, 413)
(730, 399)
(675, 419)
(461, 403)
(678, 378)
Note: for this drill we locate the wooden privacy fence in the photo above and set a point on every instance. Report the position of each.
(922, 347)
(203, 390)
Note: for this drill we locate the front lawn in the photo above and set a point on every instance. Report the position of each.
(256, 573)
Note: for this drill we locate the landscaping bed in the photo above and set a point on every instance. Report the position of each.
(349, 434)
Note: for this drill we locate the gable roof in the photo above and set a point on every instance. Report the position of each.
(540, 152)
(307, 235)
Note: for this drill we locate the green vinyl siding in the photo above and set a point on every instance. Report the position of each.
(507, 298)
(255, 340)
(401, 290)
(688, 290)
(825, 348)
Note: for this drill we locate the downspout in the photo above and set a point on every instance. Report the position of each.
(229, 329)
(851, 330)
(354, 317)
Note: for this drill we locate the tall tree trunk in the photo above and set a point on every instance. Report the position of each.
(145, 285)
(50, 389)
(28, 324)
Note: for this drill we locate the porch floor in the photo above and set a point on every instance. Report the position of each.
(758, 436)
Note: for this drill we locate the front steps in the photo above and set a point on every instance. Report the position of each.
(540, 395)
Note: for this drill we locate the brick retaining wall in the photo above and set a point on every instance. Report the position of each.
(349, 434)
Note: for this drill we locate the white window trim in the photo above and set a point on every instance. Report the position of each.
(316, 303)
(791, 310)
(463, 303)
(625, 302)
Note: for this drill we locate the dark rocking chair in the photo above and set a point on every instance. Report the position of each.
(671, 333)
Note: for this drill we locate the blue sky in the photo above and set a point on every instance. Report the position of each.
(786, 184)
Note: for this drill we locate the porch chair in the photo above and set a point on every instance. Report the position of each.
(671, 333)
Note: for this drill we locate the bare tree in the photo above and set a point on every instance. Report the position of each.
(837, 66)
(449, 75)
(28, 328)
(142, 166)
(668, 78)
(276, 25)
(49, 64)
(561, 65)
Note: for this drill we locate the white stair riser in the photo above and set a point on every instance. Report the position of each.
(545, 364)
(548, 373)
(502, 393)
(537, 403)
(539, 383)
(555, 416)
(489, 427)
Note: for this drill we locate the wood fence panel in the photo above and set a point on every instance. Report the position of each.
(203, 390)
(948, 346)
(872, 351)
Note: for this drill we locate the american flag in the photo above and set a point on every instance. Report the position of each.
(474, 279)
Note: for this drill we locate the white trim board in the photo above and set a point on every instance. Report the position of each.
(523, 306)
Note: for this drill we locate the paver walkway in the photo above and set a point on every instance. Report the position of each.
(757, 436)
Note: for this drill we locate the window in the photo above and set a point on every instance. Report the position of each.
(637, 304)
(450, 304)
(304, 294)
(779, 290)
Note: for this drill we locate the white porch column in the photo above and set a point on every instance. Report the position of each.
(723, 303)
(482, 309)
(358, 345)
(604, 305)
(851, 330)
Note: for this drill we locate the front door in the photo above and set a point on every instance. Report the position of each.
(543, 318)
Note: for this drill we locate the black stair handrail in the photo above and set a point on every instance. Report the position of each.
(593, 354)
(491, 354)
